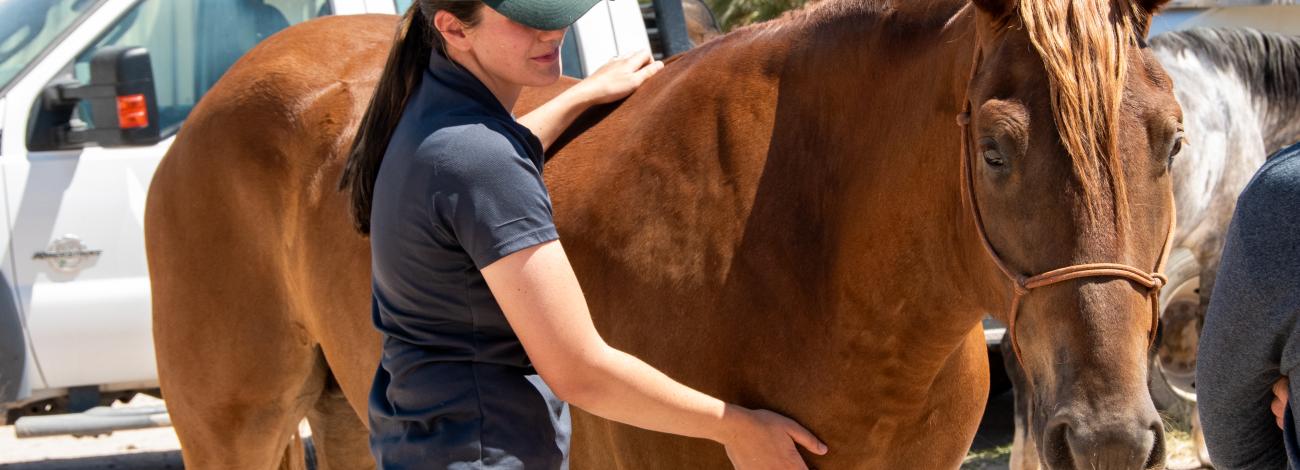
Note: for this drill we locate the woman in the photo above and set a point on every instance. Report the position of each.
(472, 289)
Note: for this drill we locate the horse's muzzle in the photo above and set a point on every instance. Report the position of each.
(1137, 443)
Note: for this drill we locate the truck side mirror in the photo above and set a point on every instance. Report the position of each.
(123, 104)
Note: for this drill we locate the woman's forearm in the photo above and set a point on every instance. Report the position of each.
(620, 387)
(549, 120)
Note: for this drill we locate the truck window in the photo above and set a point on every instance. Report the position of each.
(29, 27)
(192, 42)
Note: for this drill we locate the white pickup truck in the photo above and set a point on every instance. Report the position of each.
(92, 93)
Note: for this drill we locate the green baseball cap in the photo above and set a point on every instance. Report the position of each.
(547, 15)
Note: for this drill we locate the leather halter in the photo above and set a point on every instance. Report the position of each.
(1022, 285)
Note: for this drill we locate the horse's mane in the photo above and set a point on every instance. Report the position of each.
(1268, 63)
(1084, 45)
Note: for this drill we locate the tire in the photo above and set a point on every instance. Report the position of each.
(1173, 361)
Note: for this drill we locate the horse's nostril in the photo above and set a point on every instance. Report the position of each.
(1157, 457)
(1056, 444)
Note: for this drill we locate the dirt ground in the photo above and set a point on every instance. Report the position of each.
(158, 449)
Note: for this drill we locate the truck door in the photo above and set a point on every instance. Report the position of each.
(77, 213)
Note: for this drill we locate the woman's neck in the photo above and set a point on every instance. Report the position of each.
(505, 92)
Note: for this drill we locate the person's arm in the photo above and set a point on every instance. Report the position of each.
(612, 82)
(1246, 345)
(542, 301)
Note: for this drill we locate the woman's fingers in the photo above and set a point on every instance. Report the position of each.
(1281, 395)
(637, 59)
(805, 438)
(649, 70)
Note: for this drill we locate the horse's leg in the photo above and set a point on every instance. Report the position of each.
(350, 347)
(942, 435)
(1024, 454)
(339, 435)
(238, 376)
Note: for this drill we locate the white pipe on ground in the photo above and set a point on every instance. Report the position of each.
(95, 421)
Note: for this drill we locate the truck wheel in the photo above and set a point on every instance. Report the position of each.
(1172, 380)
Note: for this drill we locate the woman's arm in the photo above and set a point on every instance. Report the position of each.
(540, 295)
(1248, 342)
(613, 81)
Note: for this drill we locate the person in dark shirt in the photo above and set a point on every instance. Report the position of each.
(472, 291)
(1251, 340)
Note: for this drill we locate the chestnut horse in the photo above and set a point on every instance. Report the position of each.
(785, 217)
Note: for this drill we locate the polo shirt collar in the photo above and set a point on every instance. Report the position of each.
(456, 78)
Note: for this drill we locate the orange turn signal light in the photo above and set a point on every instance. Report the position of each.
(132, 111)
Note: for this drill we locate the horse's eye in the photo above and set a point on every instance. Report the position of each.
(992, 156)
(1176, 146)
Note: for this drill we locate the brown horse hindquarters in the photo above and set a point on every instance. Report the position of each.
(256, 282)
(238, 371)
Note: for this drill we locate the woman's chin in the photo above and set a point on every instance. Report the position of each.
(544, 75)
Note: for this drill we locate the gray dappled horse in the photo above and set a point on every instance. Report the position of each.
(1240, 94)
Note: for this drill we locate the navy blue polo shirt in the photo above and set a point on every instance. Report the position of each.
(460, 187)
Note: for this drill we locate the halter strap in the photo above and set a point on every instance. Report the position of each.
(1022, 285)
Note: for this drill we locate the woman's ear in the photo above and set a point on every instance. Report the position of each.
(452, 30)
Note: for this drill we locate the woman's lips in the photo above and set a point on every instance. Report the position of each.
(548, 58)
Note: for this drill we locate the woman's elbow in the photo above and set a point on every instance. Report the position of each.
(576, 382)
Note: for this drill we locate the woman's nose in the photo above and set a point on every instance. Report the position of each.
(553, 35)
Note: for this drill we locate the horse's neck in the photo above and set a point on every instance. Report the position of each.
(1267, 65)
(906, 250)
(1237, 109)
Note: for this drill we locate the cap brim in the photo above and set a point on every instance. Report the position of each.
(548, 15)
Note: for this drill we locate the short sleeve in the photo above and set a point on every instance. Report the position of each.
(486, 193)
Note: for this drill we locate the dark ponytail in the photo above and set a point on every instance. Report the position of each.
(407, 60)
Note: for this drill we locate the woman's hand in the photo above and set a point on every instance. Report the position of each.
(619, 78)
(761, 440)
(1281, 392)
(613, 82)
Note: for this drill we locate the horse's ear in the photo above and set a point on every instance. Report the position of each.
(1148, 11)
(995, 8)
(1152, 6)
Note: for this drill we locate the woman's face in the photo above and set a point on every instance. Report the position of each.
(513, 52)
